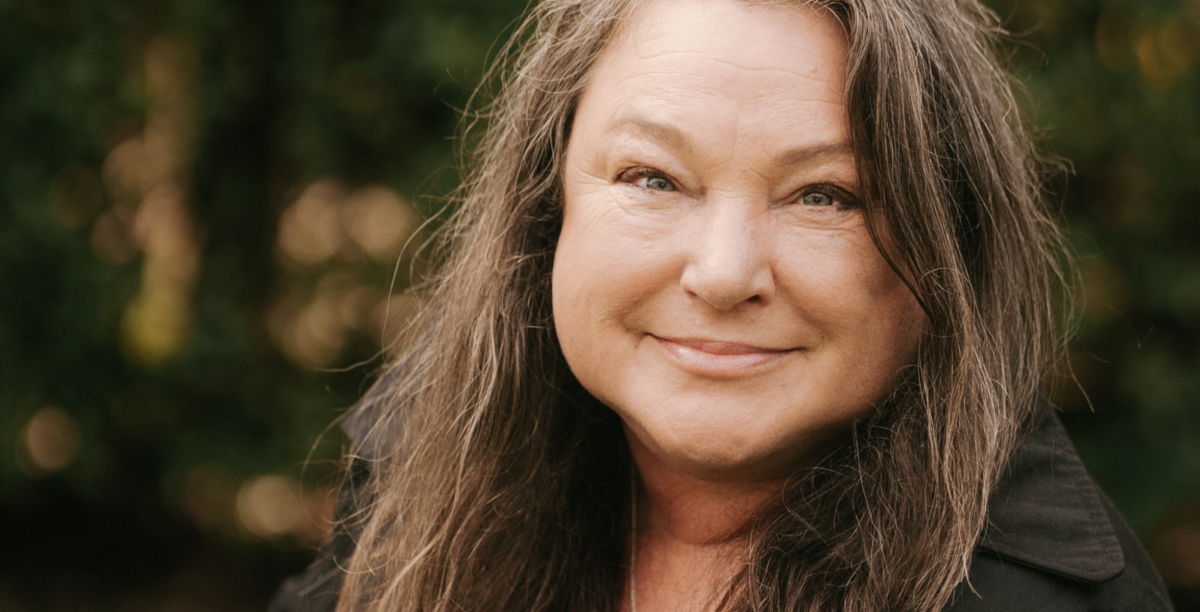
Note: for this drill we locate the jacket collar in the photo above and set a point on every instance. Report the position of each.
(1048, 514)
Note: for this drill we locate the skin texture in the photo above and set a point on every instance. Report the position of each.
(714, 282)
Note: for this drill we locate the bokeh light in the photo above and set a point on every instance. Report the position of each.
(272, 506)
(1163, 54)
(49, 442)
(309, 230)
(379, 221)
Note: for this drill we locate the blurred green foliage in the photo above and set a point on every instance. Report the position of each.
(202, 204)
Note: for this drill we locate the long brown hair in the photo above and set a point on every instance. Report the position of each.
(503, 486)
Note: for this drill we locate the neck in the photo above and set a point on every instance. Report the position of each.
(690, 531)
(695, 511)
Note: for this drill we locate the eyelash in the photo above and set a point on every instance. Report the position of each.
(634, 175)
(842, 199)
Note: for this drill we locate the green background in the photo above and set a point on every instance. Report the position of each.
(202, 204)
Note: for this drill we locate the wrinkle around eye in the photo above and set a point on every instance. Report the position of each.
(642, 215)
(637, 201)
(821, 218)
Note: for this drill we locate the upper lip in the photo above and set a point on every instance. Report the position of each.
(722, 347)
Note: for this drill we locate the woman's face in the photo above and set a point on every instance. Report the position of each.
(714, 282)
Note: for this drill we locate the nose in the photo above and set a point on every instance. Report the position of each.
(727, 261)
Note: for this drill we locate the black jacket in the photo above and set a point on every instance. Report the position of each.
(1054, 543)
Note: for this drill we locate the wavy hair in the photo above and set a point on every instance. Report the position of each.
(501, 485)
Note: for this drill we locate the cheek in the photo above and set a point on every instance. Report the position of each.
(598, 280)
(608, 261)
(573, 323)
(846, 289)
(569, 287)
(578, 257)
(604, 270)
(901, 321)
(892, 321)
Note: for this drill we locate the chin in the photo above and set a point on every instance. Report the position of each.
(715, 453)
(736, 447)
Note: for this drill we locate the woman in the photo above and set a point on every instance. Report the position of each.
(747, 306)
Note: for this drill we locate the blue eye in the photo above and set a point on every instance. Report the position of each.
(817, 198)
(825, 195)
(656, 183)
(648, 179)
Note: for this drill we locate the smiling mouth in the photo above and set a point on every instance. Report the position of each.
(717, 359)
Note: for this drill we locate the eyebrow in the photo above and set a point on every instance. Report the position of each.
(814, 154)
(664, 133)
(675, 138)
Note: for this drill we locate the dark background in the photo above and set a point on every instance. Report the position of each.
(202, 203)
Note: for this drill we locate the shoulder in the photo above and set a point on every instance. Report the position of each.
(318, 587)
(1054, 542)
(316, 590)
(368, 426)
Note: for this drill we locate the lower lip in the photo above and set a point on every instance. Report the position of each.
(719, 365)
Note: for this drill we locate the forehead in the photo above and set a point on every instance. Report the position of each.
(730, 64)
